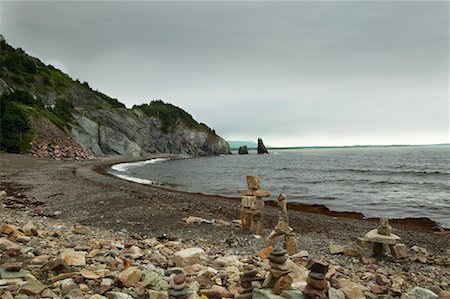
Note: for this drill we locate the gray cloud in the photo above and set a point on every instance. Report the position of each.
(292, 72)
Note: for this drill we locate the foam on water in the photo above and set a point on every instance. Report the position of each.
(123, 167)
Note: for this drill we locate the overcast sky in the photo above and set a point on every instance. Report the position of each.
(293, 73)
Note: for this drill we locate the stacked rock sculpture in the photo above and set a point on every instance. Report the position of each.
(246, 288)
(252, 205)
(278, 278)
(178, 288)
(317, 284)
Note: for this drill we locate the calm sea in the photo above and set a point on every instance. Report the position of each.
(393, 182)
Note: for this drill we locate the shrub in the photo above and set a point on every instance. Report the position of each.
(15, 133)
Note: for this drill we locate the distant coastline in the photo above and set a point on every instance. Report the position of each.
(342, 146)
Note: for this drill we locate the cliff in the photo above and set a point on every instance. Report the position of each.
(32, 91)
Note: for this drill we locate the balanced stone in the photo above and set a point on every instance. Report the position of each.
(318, 269)
(278, 259)
(374, 236)
(318, 284)
(282, 267)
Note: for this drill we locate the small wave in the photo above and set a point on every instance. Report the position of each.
(133, 179)
(122, 167)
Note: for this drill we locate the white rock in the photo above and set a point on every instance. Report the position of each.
(189, 256)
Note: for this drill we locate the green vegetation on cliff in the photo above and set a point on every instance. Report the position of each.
(170, 116)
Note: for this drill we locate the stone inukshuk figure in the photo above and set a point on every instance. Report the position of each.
(376, 241)
(278, 279)
(252, 204)
(317, 284)
(178, 288)
(246, 288)
(283, 228)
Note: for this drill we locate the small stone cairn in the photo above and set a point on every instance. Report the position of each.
(376, 241)
(317, 284)
(278, 279)
(245, 290)
(283, 229)
(252, 204)
(178, 288)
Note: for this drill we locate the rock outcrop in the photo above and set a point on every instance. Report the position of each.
(131, 132)
(261, 148)
(243, 150)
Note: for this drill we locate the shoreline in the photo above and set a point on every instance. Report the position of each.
(421, 223)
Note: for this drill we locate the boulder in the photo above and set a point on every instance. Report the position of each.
(336, 249)
(189, 256)
(74, 258)
(129, 277)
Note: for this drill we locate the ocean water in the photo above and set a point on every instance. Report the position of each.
(393, 182)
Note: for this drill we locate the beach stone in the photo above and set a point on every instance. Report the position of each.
(293, 294)
(74, 258)
(89, 274)
(157, 294)
(352, 292)
(6, 244)
(336, 249)
(118, 295)
(282, 284)
(226, 261)
(444, 295)
(48, 293)
(74, 294)
(399, 251)
(80, 229)
(351, 252)
(12, 266)
(318, 284)
(419, 293)
(7, 228)
(3, 194)
(7, 295)
(265, 294)
(216, 292)
(130, 276)
(335, 294)
(29, 229)
(154, 280)
(189, 256)
(33, 288)
(12, 274)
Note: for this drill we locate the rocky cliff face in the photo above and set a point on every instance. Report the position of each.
(131, 132)
(96, 121)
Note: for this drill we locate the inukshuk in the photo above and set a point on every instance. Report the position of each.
(283, 229)
(317, 284)
(247, 278)
(252, 204)
(178, 288)
(376, 241)
(278, 279)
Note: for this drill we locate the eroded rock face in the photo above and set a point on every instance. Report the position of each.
(261, 148)
(132, 133)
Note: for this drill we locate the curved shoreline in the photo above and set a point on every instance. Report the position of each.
(420, 223)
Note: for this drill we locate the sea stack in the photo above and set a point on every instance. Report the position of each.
(243, 150)
(261, 148)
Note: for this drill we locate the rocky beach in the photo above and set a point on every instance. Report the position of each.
(70, 230)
